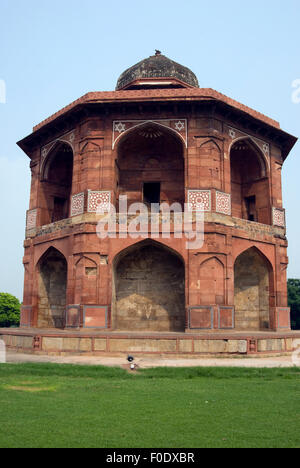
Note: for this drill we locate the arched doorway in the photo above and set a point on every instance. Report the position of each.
(57, 174)
(52, 287)
(249, 182)
(150, 166)
(149, 289)
(252, 290)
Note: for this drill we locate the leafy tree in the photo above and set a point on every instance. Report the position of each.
(294, 302)
(9, 310)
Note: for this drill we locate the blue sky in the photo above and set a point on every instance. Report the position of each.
(52, 52)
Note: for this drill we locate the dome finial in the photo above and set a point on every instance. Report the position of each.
(157, 52)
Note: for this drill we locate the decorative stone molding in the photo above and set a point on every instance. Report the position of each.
(279, 217)
(223, 203)
(77, 204)
(31, 219)
(199, 200)
(178, 126)
(99, 202)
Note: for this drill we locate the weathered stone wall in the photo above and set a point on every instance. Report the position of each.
(52, 290)
(251, 292)
(150, 295)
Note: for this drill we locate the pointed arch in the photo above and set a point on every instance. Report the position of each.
(52, 287)
(149, 289)
(145, 124)
(145, 242)
(51, 154)
(253, 290)
(212, 281)
(86, 272)
(85, 258)
(212, 142)
(250, 185)
(47, 251)
(162, 182)
(56, 183)
(212, 258)
(265, 164)
(259, 252)
(89, 146)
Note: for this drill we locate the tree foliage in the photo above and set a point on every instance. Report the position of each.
(294, 302)
(9, 310)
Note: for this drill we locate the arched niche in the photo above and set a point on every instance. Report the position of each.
(149, 289)
(253, 288)
(56, 183)
(52, 286)
(212, 282)
(86, 281)
(209, 166)
(249, 182)
(150, 165)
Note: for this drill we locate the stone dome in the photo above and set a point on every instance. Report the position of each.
(155, 70)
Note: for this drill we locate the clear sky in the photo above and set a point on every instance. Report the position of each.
(52, 52)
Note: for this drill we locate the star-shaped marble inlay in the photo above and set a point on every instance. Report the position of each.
(266, 148)
(180, 126)
(232, 133)
(120, 127)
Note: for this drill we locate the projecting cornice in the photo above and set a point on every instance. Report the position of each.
(193, 96)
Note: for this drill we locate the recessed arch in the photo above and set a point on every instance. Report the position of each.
(45, 252)
(256, 249)
(51, 153)
(250, 185)
(218, 260)
(148, 123)
(86, 279)
(210, 141)
(52, 286)
(90, 146)
(148, 289)
(142, 243)
(212, 281)
(85, 258)
(56, 183)
(253, 290)
(265, 164)
(150, 183)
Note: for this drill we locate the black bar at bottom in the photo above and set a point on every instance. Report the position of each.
(144, 457)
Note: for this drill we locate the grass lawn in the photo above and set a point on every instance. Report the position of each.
(49, 405)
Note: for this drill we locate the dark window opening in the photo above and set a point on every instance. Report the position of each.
(59, 209)
(151, 192)
(251, 208)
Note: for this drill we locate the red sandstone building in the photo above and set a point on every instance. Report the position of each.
(157, 138)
